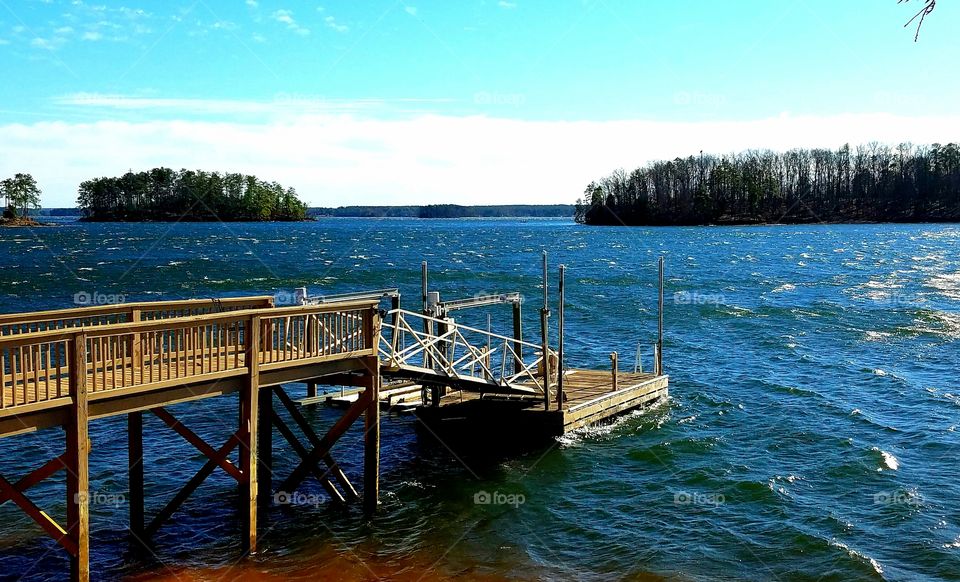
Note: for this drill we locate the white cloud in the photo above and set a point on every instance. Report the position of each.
(92, 36)
(257, 37)
(332, 157)
(506, 5)
(286, 17)
(252, 3)
(411, 10)
(332, 23)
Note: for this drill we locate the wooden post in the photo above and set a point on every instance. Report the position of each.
(135, 470)
(545, 336)
(614, 366)
(659, 364)
(371, 440)
(265, 449)
(136, 346)
(518, 337)
(311, 389)
(249, 436)
(395, 320)
(78, 469)
(560, 366)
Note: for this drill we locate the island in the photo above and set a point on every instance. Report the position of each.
(166, 195)
(867, 183)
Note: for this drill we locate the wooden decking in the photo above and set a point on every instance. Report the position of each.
(590, 398)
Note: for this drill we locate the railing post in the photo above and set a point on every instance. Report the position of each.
(614, 365)
(136, 346)
(78, 469)
(249, 435)
(659, 364)
(518, 337)
(395, 308)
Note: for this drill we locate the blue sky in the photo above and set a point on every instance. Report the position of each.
(475, 101)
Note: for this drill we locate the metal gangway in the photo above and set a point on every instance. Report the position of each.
(441, 352)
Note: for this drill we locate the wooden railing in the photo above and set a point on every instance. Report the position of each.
(37, 366)
(20, 323)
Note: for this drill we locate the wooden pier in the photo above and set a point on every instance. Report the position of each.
(69, 368)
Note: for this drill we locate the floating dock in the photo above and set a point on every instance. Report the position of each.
(68, 368)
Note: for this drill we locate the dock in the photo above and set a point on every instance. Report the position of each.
(66, 369)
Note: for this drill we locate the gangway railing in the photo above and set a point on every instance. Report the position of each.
(458, 355)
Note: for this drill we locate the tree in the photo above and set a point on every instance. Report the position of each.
(21, 193)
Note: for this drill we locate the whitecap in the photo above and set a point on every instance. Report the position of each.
(784, 287)
(889, 461)
(858, 555)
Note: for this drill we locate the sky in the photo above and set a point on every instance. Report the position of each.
(465, 102)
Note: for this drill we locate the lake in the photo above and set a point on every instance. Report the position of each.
(811, 432)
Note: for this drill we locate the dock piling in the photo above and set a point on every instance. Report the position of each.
(135, 468)
(659, 363)
(78, 468)
(545, 335)
(560, 365)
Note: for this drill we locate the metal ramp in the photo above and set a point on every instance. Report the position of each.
(441, 352)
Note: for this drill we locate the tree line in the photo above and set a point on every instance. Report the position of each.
(449, 211)
(163, 194)
(867, 183)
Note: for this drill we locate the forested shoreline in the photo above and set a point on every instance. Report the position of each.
(867, 183)
(163, 194)
(448, 211)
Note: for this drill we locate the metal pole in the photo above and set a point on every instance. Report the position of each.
(545, 334)
(660, 324)
(427, 324)
(560, 364)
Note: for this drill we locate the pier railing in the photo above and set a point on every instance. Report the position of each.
(20, 323)
(473, 358)
(40, 367)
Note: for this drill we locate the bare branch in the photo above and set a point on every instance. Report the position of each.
(928, 7)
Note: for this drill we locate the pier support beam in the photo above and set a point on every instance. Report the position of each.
(135, 471)
(78, 468)
(249, 439)
(371, 441)
(265, 449)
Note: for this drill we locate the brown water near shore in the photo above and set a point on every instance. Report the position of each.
(330, 565)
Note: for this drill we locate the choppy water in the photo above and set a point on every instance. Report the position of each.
(811, 433)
